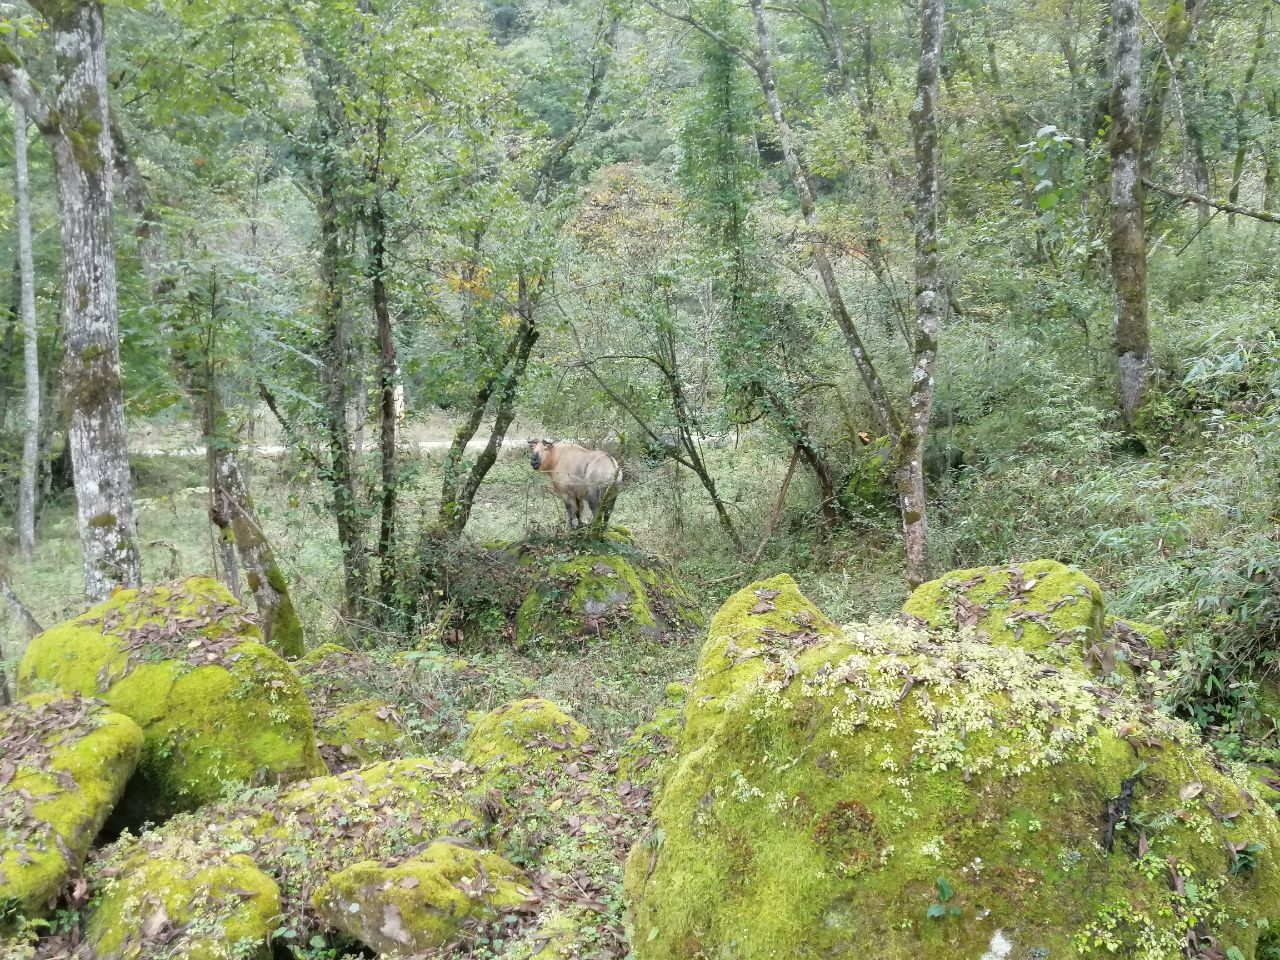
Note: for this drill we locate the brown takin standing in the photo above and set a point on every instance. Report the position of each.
(580, 477)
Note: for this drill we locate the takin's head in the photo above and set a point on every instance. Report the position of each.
(538, 450)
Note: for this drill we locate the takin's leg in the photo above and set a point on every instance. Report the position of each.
(608, 497)
(571, 511)
(593, 501)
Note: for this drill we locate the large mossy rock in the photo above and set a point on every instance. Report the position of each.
(1036, 605)
(209, 906)
(564, 591)
(64, 762)
(755, 628)
(899, 791)
(531, 735)
(185, 663)
(362, 733)
(302, 835)
(423, 902)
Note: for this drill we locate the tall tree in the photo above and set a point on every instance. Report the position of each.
(1128, 240)
(30, 344)
(915, 431)
(74, 121)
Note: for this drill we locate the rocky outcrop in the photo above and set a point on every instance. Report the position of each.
(979, 780)
(186, 664)
(64, 762)
(422, 902)
(207, 906)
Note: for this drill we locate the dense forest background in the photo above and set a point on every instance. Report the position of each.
(352, 238)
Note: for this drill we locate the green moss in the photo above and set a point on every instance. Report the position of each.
(287, 636)
(216, 707)
(217, 907)
(532, 734)
(68, 761)
(421, 903)
(1041, 605)
(842, 778)
(318, 654)
(602, 595)
(760, 625)
(360, 733)
(304, 834)
(559, 934)
(870, 482)
(1153, 635)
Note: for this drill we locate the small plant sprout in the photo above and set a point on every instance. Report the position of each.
(940, 908)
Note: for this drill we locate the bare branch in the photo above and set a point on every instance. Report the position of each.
(22, 88)
(1266, 216)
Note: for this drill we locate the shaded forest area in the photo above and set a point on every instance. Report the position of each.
(854, 292)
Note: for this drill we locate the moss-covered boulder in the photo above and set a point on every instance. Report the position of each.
(420, 903)
(354, 727)
(185, 662)
(900, 792)
(758, 631)
(532, 734)
(1042, 605)
(302, 835)
(361, 733)
(603, 595)
(210, 906)
(64, 762)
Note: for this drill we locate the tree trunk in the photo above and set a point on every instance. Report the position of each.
(1242, 145)
(340, 471)
(231, 509)
(76, 125)
(30, 346)
(1271, 156)
(1128, 241)
(281, 628)
(387, 376)
(763, 65)
(915, 433)
(459, 492)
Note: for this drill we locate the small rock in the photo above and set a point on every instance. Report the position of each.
(419, 904)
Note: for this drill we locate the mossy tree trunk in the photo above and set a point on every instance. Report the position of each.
(388, 376)
(231, 508)
(30, 344)
(459, 488)
(1271, 156)
(74, 122)
(915, 432)
(1128, 239)
(1241, 119)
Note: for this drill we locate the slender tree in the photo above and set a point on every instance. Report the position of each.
(30, 345)
(915, 431)
(74, 121)
(1128, 240)
(231, 508)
